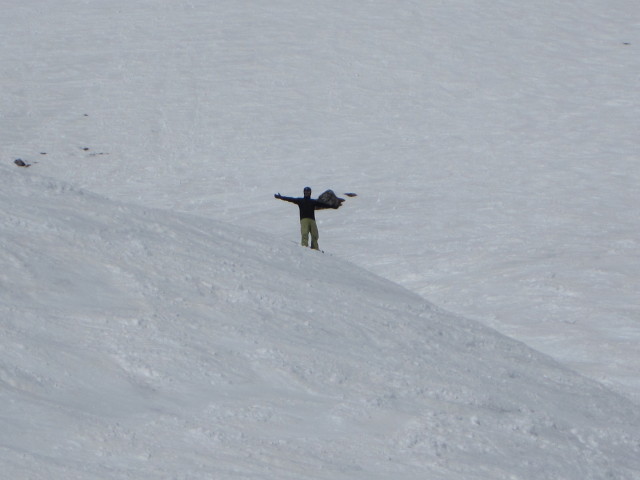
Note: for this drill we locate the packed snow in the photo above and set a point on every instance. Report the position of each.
(475, 315)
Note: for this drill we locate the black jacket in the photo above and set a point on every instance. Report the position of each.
(307, 206)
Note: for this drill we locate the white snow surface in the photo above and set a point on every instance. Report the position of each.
(476, 314)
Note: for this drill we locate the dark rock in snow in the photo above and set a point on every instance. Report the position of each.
(19, 162)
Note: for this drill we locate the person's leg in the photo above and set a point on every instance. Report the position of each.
(305, 229)
(314, 235)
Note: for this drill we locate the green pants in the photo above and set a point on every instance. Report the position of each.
(308, 226)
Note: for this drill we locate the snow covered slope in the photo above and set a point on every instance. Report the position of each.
(494, 145)
(138, 343)
(157, 320)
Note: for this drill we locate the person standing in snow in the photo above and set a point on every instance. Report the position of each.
(307, 206)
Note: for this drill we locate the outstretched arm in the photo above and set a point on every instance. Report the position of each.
(323, 206)
(286, 199)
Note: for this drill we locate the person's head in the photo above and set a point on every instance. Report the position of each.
(307, 192)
